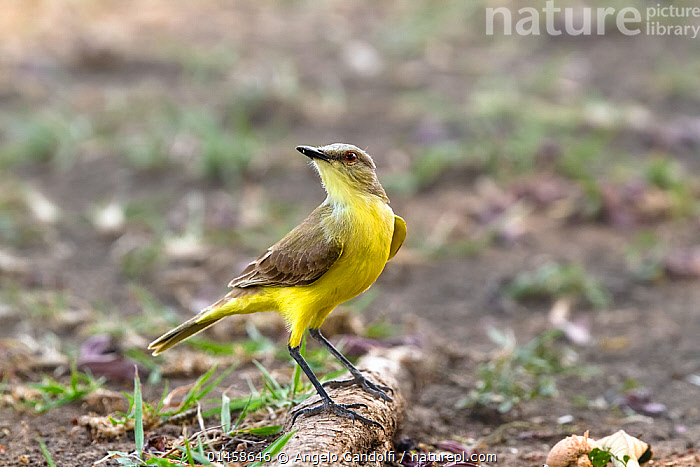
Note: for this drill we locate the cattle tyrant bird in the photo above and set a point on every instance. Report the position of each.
(336, 253)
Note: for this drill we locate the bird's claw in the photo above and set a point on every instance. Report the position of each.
(342, 410)
(379, 391)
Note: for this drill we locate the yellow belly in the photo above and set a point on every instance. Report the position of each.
(365, 253)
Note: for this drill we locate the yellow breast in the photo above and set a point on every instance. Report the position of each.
(366, 248)
(366, 229)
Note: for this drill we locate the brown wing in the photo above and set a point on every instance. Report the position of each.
(300, 258)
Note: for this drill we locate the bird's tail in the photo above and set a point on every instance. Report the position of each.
(235, 302)
(183, 331)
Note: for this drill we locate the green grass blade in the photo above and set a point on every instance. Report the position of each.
(45, 452)
(138, 415)
(73, 377)
(244, 412)
(201, 388)
(225, 413)
(193, 456)
(264, 430)
(193, 394)
(201, 458)
(270, 382)
(200, 448)
(274, 449)
(161, 462)
(161, 401)
(188, 452)
(218, 380)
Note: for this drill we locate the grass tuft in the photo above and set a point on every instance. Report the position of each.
(518, 374)
(555, 280)
(55, 394)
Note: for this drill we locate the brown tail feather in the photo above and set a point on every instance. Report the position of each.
(203, 320)
(180, 333)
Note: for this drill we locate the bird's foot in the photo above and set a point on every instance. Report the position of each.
(379, 391)
(342, 410)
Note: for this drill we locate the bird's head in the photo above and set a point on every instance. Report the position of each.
(347, 171)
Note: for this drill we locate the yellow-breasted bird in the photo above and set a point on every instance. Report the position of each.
(336, 253)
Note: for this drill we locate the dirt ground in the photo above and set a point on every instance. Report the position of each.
(107, 93)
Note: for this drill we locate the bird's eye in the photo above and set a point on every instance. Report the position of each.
(350, 156)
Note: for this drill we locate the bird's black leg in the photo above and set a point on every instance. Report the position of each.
(377, 390)
(327, 404)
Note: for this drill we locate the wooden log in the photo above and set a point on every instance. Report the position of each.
(329, 440)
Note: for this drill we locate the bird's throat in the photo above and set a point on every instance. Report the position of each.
(344, 190)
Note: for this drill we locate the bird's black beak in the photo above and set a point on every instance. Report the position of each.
(312, 153)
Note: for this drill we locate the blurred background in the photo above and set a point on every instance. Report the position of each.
(549, 183)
